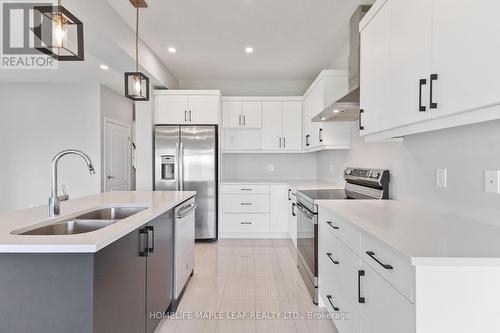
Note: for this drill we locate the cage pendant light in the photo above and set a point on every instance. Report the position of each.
(136, 83)
(58, 32)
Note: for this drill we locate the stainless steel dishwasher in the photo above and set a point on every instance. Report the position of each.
(184, 235)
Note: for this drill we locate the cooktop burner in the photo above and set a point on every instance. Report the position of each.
(324, 194)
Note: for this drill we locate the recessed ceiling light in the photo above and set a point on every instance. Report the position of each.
(249, 49)
(172, 50)
(323, 118)
(336, 111)
(104, 67)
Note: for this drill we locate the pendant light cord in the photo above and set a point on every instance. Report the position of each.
(137, 40)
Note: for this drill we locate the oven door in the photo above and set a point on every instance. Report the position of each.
(307, 248)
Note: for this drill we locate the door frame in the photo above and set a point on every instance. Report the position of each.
(108, 120)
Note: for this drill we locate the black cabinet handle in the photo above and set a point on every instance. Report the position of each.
(333, 226)
(289, 191)
(151, 248)
(293, 209)
(243, 222)
(360, 298)
(330, 299)
(246, 204)
(432, 105)
(422, 83)
(361, 127)
(144, 246)
(320, 135)
(307, 140)
(331, 258)
(372, 255)
(185, 115)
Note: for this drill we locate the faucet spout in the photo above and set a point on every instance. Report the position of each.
(54, 200)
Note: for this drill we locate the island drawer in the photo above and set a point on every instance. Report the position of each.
(389, 264)
(245, 188)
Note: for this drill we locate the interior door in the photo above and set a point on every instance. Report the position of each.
(292, 125)
(160, 267)
(204, 109)
(410, 44)
(271, 125)
(171, 109)
(375, 81)
(117, 156)
(465, 53)
(199, 173)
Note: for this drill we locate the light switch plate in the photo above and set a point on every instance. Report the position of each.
(492, 181)
(441, 177)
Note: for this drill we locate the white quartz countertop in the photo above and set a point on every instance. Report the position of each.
(295, 184)
(27, 219)
(425, 236)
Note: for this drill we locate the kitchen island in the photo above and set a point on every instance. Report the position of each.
(106, 280)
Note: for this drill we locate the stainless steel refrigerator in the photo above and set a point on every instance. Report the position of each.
(186, 159)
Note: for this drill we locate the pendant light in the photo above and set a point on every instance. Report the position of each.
(136, 83)
(59, 33)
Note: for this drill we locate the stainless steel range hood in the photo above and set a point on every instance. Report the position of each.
(347, 107)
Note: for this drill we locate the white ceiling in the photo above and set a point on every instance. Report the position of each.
(293, 39)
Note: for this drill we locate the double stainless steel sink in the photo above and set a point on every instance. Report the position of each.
(91, 221)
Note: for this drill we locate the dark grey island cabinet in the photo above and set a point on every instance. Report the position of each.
(121, 288)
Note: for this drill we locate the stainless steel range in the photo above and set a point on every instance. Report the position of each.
(360, 184)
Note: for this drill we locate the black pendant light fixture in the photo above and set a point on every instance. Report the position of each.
(136, 83)
(59, 33)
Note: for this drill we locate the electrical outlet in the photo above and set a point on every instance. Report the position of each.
(270, 168)
(492, 181)
(441, 177)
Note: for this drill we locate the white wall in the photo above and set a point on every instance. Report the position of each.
(250, 88)
(39, 120)
(144, 144)
(116, 107)
(465, 151)
(269, 166)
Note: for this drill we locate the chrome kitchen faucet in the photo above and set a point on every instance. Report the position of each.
(55, 199)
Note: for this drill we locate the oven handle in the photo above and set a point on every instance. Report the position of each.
(310, 216)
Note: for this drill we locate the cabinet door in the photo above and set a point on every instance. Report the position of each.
(312, 106)
(204, 109)
(292, 219)
(271, 125)
(171, 109)
(465, 55)
(252, 114)
(335, 134)
(375, 82)
(242, 139)
(385, 309)
(160, 267)
(410, 61)
(306, 122)
(120, 286)
(292, 125)
(231, 114)
(279, 208)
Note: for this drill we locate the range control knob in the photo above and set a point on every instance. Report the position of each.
(348, 172)
(375, 174)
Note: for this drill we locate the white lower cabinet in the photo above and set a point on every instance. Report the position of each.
(254, 211)
(357, 297)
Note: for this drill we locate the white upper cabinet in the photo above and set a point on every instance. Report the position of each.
(187, 107)
(242, 113)
(282, 125)
(465, 55)
(329, 86)
(427, 65)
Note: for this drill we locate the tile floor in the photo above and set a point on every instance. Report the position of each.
(243, 278)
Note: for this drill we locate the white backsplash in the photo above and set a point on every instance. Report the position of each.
(466, 152)
(269, 166)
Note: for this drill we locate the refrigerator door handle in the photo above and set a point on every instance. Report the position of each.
(181, 166)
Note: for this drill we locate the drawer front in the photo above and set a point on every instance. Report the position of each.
(245, 203)
(390, 265)
(244, 189)
(245, 223)
(328, 260)
(344, 231)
